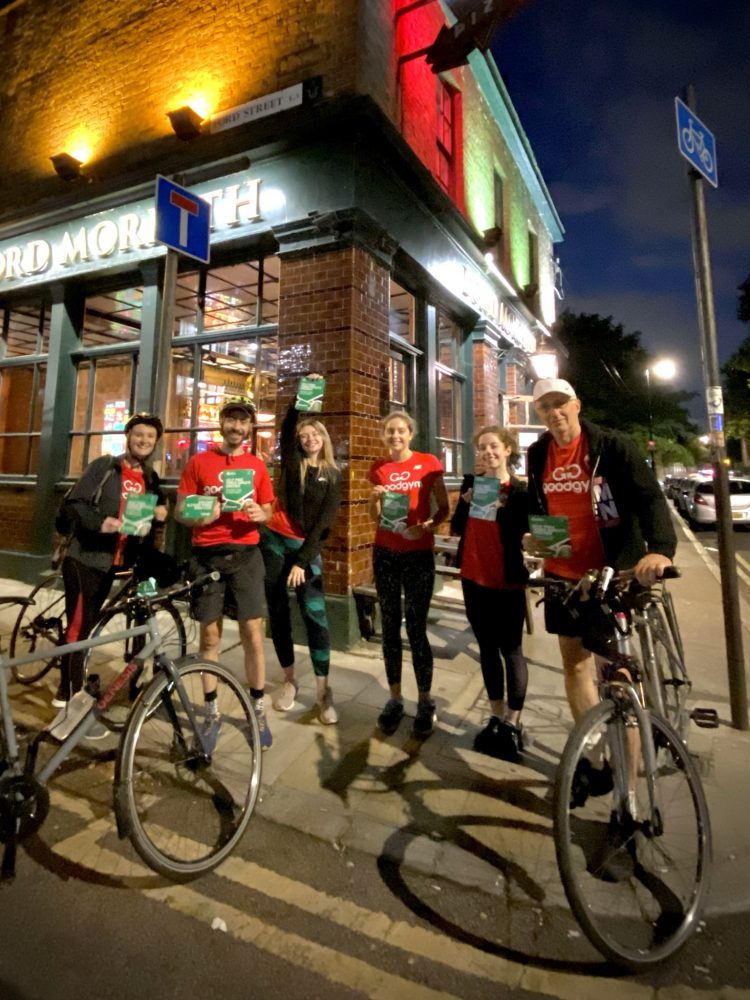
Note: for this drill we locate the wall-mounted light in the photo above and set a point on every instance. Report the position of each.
(186, 123)
(544, 361)
(492, 236)
(66, 166)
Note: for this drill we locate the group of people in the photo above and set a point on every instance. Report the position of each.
(616, 516)
(270, 541)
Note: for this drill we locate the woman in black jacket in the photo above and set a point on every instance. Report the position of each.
(306, 506)
(493, 577)
(97, 550)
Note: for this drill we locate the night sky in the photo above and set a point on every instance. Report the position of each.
(594, 83)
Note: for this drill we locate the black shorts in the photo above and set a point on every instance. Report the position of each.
(241, 587)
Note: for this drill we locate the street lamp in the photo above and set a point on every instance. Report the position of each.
(665, 370)
(544, 361)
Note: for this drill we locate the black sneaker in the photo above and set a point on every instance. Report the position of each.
(510, 742)
(615, 859)
(391, 716)
(487, 741)
(424, 720)
(590, 780)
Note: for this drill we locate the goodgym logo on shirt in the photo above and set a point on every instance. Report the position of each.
(130, 486)
(402, 481)
(567, 479)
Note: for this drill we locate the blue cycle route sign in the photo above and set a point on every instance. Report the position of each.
(696, 142)
(183, 220)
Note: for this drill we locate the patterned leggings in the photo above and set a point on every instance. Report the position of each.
(415, 573)
(496, 618)
(278, 554)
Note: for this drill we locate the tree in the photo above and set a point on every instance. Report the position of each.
(736, 372)
(607, 366)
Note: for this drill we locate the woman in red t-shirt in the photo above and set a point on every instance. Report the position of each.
(493, 577)
(406, 485)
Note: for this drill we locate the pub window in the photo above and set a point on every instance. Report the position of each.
(105, 375)
(404, 353)
(24, 344)
(234, 297)
(447, 141)
(450, 390)
(225, 345)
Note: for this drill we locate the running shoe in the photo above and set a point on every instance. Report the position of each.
(424, 720)
(328, 714)
(391, 716)
(266, 740)
(284, 701)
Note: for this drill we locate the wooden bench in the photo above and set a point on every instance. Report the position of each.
(446, 547)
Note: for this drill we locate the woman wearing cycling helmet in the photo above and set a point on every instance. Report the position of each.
(97, 550)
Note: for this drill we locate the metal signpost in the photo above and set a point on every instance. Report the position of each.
(183, 225)
(696, 143)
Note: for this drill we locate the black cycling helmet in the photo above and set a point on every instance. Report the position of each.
(237, 403)
(149, 419)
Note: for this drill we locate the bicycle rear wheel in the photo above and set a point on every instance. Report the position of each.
(184, 811)
(109, 659)
(39, 627)
(636, 879)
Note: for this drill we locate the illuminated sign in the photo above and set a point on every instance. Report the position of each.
(124, 235)
(475, 289)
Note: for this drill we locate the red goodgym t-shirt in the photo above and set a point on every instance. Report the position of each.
(416, 476)
(567, 489)
(203, 475)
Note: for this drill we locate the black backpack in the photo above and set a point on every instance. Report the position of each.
(64, 524)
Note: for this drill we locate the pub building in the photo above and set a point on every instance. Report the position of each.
(371, 220)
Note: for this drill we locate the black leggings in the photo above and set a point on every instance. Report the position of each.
(86, 591)
(496, 618)
(415, 573)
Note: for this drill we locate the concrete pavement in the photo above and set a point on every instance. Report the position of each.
(440, 808)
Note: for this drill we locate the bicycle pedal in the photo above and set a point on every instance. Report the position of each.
(705, 718)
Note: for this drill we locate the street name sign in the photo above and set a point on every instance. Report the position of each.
(183, 220)
(291, 97)
(696, 142)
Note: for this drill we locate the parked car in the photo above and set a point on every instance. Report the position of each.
(701, 502)
(684, 488)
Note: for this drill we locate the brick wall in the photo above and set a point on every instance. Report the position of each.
(16, 517)
(107, 73)
(486, 385)
(333, 319)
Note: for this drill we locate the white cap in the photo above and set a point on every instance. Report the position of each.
(546, 385)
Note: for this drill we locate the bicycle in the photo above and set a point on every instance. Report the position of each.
(42, 623)
(186, 777)
(631, 824)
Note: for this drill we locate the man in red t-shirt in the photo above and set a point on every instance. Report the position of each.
(227, 541)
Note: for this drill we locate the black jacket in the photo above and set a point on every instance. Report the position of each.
(89, 545)
(313, 509)
(629, 507)
(513, 523)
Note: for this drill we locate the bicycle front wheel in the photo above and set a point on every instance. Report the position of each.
(636, 875)
(109, 659)
(39, 627)
(185, 790)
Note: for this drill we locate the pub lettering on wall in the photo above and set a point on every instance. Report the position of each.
(114, 234)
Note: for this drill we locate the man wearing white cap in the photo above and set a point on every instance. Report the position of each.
(617, 516)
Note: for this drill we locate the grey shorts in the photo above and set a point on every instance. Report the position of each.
(240, 592)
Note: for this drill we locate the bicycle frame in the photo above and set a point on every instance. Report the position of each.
(84, 726)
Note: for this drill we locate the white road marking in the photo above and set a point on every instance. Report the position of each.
(378, 927)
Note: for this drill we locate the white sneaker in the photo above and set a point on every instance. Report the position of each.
(284, 701)
(328, 714)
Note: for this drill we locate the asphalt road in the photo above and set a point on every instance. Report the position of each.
(290, 917)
